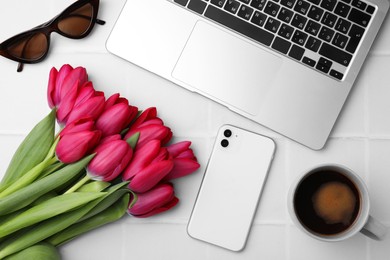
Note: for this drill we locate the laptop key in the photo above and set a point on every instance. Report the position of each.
(312, 27)
(315, 13)
(355, 34)
(326, 34)
(329, 19)
(340, 40)
(285, 15)
(258, 4)
(245, 12)
(359, 17)
(286, 31)
(342, 9)
(336, 74)
(299, 37)
(335, 54)
(258, 34)
(296, 52)
(232, 6)
(302, 7)
(271, 8)
(323, 65)
(309, 61)
(259, 18)
(359, 4)
(281, 45)
(288, 3)
(342, 25)
(197, 6)
(272, 25)
(182, 2)
(316, 2)
(313, 44)
(299, 21)
(328, 4)
(218, 3)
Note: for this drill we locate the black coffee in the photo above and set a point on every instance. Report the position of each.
(327, 202)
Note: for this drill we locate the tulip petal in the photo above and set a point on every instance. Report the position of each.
(141, 159)
(84, 124)
(158, 199)
(166, 207)
(67, 102)
(181, 168)
(91, 108)
(52, 87)
(112, 156)
(74, 146)
(150, 176)
(177, 148)
(148, 114)
(149, 132)
(78, 74)
(114, 119)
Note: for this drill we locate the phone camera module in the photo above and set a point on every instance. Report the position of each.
(224, 143)
(227, 133)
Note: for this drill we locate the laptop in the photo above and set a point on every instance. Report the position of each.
(285, 64)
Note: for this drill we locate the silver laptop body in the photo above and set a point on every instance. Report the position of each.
(298, 95)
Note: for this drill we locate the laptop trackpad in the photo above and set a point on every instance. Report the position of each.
(226, 68)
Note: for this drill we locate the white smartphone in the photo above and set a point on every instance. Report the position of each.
(231, 188)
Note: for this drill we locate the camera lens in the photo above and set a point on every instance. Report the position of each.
(224, 143)
(227, 133)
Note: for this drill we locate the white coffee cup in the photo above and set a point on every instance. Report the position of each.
(363, 222)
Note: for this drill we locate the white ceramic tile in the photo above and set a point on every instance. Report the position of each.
(379, 179)
(380, 249)
(378, 97)
(160, 241)
(301, 246)
(264, 242)
(348, 152)
(8, 144)
(107, 242)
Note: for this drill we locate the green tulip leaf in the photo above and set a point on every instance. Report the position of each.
(31, 151)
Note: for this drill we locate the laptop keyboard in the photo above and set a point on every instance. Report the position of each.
(322, 34)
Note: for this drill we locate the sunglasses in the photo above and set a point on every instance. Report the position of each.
(32, 46)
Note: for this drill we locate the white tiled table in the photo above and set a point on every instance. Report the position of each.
(360, 140)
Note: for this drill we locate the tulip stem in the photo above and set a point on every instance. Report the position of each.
(78, 184)
(51, 152)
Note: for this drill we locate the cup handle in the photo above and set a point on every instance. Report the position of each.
(374, 229)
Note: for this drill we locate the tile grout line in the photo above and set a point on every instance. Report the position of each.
(367, 153)
(287, 179)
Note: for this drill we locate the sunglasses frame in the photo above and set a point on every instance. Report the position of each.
(47, 28)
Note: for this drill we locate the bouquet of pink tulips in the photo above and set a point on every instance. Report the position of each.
(107, 159)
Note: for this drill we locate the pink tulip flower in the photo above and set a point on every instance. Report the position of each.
(150, 164)
(74, 146)
(89, 103)
(184, 160)
(151, 132)
(84, 124)
(161, 198)
(112, 156)
(147, 115)
(62, 82)
(116, 116)
(150, 127)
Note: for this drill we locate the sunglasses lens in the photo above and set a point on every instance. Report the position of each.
(78, 22)
(29, 47)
